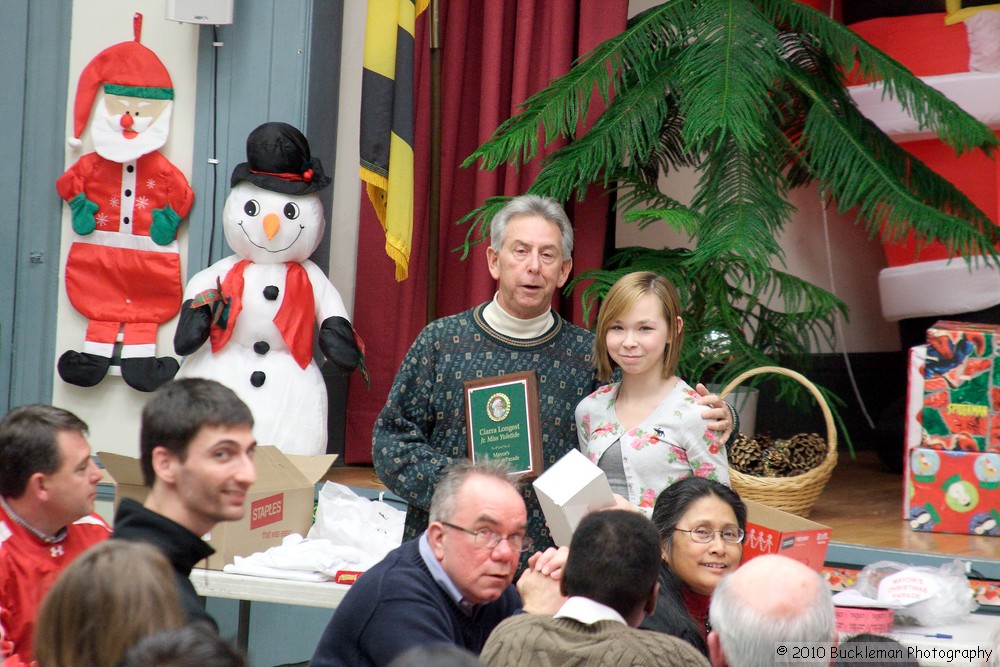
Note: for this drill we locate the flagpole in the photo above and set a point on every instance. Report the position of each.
(434, 199)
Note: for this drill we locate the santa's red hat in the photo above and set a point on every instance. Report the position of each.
(128, 68)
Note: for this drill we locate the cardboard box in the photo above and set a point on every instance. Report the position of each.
(568, 490)
(771, 531)
(953, 492)
(281, 502)
(962, 387)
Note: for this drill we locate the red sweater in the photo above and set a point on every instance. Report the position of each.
(28, 567)
(697, 605)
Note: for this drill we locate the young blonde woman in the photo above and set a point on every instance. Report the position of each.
(646, 431)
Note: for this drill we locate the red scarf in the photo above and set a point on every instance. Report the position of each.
(295, 315)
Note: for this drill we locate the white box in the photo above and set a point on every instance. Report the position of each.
(568, 491)
(205, 12)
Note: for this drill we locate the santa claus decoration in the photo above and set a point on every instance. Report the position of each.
(249, 320)
(123, 271)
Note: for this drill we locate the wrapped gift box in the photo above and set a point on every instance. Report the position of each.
(961, 410)
(954, 492)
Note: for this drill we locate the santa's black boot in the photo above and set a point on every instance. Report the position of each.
(148, 373)
(82, 368)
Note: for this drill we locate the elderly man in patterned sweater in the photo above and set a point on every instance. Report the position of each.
(421, 429)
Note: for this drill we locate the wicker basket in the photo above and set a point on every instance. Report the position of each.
(791, 494)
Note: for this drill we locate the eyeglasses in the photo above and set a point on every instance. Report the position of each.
(488, 539)
(705, 535)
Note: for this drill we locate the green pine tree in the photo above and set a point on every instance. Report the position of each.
(752, 95)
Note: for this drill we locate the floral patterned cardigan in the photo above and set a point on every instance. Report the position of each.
(670, 444)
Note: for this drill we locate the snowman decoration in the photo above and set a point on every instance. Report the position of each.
(248, 320)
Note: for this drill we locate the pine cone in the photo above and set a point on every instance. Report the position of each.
(776, 462)
(745, 455)
(806, 451)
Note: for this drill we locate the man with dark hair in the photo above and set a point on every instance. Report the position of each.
(196, 449)
(452, 585)
(181, 647)
(611, 583)
(48, 483)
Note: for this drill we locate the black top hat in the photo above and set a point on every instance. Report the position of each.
(278, 159)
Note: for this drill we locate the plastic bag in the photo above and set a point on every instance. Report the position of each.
(347, 519)
(931, 595)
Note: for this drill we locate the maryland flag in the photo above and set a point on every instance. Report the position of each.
(387, 121)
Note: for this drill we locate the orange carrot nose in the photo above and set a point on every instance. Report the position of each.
(127, 121)
(271, 225)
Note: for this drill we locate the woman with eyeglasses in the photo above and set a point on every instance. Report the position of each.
(701, 524)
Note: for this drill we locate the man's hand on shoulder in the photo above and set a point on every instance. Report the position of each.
(721, 416)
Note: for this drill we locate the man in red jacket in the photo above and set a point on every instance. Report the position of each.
(48, 483)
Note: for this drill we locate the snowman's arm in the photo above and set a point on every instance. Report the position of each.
(193, 328)
(195, 324)
(326, 298)
(336, 340)
(210, 277)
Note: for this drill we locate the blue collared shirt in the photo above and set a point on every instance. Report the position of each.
(441, 577)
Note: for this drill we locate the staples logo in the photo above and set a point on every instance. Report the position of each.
(267, 511)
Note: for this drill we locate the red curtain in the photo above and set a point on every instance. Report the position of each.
(495, 54)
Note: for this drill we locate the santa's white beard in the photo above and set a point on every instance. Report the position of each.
(111, 144)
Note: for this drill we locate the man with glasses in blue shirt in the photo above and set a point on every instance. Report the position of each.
(451, 585)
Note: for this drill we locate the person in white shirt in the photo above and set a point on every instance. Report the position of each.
(610, 581)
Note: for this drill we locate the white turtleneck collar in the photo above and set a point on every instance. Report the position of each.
(514, 327)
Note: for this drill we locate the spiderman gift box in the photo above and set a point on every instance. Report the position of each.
(953, 472)
(962, 388)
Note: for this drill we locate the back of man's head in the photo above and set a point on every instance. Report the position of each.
(614, 559)
(770, 600)
(28, 444)
(178, 410)
(194, 644)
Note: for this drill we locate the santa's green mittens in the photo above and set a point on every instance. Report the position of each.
(164, 228)
(83, 214)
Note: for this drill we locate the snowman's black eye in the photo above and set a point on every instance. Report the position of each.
(251, 208)
(291, 211)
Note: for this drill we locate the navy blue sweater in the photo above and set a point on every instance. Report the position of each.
(397, 605)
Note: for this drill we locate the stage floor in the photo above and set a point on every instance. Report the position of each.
(861, 503)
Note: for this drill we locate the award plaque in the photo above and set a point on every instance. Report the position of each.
(501, 417)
